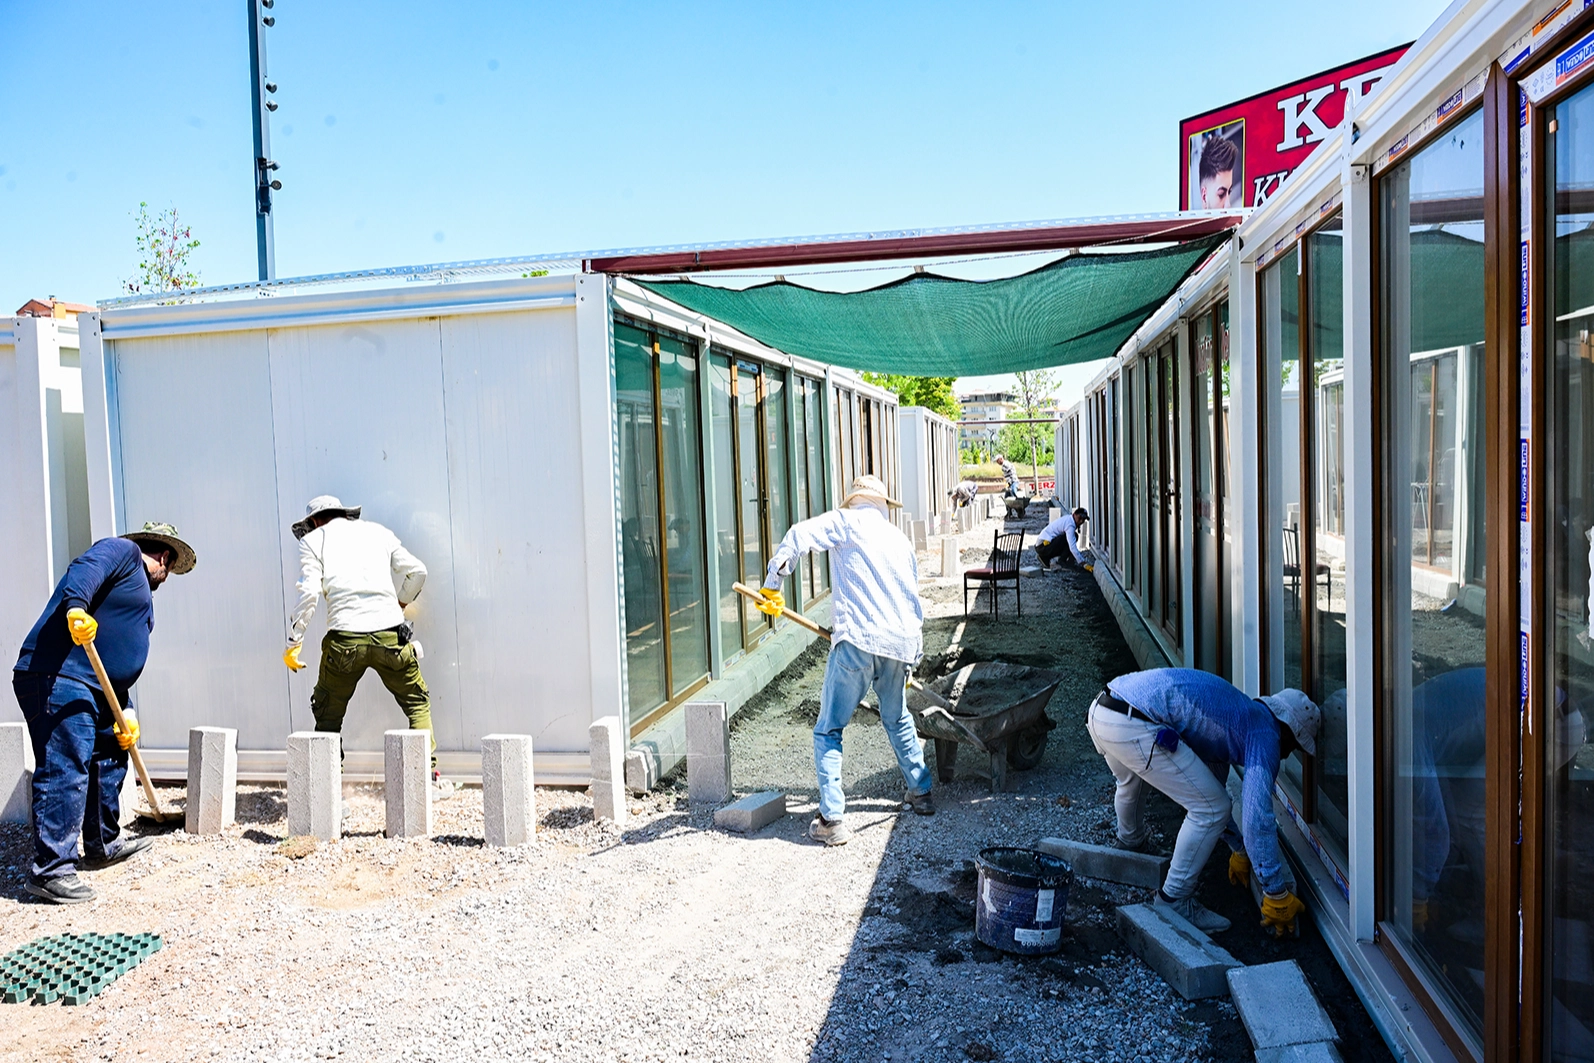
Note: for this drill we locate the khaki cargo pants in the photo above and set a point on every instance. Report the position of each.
(345, 655)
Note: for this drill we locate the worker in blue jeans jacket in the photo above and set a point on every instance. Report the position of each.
(877, 636)
(80, 755)
(1179, 730)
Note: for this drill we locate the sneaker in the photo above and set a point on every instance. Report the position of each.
(923, 804)
(442, 789)
(121, 849)
(64, 889)
(1141, 846)
(1192, 912)
(830, 832)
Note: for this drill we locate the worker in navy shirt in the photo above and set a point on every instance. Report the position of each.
(1179, 730)
(80, 754)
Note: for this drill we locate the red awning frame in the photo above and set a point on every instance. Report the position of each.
(996, 239)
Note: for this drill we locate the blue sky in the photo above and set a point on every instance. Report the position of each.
(414, 132)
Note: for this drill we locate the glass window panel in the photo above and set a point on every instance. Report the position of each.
(750, 496)
(1226, 553)
(1281, 376)
(1433, 291)
(687, 581)
(727, 547)
(1568, 456)
(1326, 554)
(1204, 571)
(816, 466)
(639, 521)
(775, 469)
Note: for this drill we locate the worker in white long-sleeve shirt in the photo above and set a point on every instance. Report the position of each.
(877, 636)
(354, 563)
(1060, 540)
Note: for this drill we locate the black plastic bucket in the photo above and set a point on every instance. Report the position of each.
(1023, 894)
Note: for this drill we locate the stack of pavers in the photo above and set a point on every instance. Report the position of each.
(71, 968)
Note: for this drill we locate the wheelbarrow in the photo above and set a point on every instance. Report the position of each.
(1017, 506)
(999, 709)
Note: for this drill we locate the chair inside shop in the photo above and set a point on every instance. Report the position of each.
(1002, 568)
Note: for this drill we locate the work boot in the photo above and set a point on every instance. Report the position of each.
(63, 889)
(1192, 912)
(923, 804)
(1141, 846)
(829, 832)
(120, 850)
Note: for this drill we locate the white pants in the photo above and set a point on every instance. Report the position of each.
(1129, 746)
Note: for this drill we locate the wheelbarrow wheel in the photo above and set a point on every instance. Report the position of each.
(1026, 749)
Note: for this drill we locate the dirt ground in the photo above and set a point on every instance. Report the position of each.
(668, 939)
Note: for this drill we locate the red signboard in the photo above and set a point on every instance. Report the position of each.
(1236, 156)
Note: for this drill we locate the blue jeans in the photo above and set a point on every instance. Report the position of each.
(849, 674)
(78, 771)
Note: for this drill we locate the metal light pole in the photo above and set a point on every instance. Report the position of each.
(265, 184)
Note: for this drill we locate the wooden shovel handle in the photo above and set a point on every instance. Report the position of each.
(803, 621)
(121, 721)
(797, 618)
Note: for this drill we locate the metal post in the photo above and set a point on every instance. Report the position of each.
(264, 237)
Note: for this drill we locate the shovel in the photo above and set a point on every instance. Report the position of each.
(121, 721)
(802, 621)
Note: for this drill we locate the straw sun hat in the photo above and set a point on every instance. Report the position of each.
(871, 488)
(165, 535)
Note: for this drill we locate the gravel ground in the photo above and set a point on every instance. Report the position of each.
(670, 939)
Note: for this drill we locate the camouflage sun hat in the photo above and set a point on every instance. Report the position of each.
(166, 535)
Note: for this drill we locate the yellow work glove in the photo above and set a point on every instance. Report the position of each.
(1090, 568)
(82, 626)
(129, 738)
(774, 602)
(291, 657)
(1279, 911)
(1239, 869)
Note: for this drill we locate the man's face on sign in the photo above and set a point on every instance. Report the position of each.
(1216, 191)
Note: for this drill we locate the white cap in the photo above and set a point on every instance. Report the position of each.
(1297, 712)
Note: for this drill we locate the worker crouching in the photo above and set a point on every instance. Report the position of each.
(1180, 730)
(877, 637)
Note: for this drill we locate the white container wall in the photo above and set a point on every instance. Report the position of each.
(461, 430)
(45, 519)
(929, 462)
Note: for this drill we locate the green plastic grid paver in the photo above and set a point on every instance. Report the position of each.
(71, 968)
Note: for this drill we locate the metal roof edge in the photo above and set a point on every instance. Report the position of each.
(324, 307)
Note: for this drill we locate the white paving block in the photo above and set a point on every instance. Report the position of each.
(1315, 1052)
(509, 792)
(315, 785)
(607, 742)
(16, 774)
(407, 782)
(708, 752)
(1184, 956)
(921, 534)
(212, 779)
(951, 559)
(753, 812)
(1278, 1007)
(1107, 863)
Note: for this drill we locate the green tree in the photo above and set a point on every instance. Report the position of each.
(1037, 390)
(932, 392)
(164, 244)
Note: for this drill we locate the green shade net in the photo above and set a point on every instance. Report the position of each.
(1078, 309)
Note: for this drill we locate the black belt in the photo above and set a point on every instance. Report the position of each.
(1106, 700)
